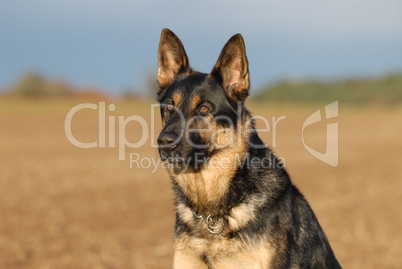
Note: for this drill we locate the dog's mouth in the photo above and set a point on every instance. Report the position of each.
(175, 160)
(195, 160)
(170, 158)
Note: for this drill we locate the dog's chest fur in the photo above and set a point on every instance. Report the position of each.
(204, 187)
(221, 252)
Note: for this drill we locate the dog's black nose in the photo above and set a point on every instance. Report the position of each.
(167, 141)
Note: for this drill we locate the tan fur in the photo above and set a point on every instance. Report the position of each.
(177, 99)
(185, 258)
(194, 102)
(164, 78)
(222, 253)
(242, 214)
(185, 213)
(222, 138)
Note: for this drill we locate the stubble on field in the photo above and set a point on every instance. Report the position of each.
(66, 207)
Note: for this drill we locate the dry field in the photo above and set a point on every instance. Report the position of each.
(67, 207)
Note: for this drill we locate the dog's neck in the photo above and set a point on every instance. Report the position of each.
(206, 187)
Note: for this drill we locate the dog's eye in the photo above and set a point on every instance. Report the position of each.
(204, 109)
(169, 107)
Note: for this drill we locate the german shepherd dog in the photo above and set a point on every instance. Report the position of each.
(235, 204)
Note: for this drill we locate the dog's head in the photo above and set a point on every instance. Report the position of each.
(200, 112)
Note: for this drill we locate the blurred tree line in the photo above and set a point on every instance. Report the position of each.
(385, 90)
(33, 84)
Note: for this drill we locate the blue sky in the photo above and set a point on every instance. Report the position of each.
(113, 44)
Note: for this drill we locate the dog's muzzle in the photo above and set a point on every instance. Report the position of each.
(167, 142)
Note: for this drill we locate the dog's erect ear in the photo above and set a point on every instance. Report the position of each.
(172, 59)
(231, 70)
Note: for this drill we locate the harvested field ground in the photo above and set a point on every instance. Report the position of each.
(67, 207)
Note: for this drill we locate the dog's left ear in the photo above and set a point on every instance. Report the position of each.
(231, 69)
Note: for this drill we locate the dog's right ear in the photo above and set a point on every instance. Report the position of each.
(172, 59)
